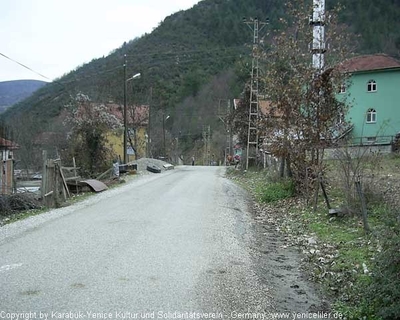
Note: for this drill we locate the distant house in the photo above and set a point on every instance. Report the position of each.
(7, 166)
(374, 98)
(137, 142)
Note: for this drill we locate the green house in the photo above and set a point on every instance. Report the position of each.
(373, 95)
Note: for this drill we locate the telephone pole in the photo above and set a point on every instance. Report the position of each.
(252, 132)
(224, 116)
(207, 145)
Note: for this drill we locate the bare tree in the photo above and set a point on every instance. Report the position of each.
(304, 113)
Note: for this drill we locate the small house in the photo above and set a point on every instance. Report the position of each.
(373, 96)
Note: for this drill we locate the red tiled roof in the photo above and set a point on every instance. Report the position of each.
(369, 63)
(7, 144)
(268, 109)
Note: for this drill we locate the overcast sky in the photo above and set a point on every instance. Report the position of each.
(54, 37)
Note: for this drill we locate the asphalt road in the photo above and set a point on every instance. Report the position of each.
(161, 246)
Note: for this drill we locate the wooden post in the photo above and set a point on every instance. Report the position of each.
(49, 184)
(56, 185)
(363, 206)
(44, 175)
(307, 188)
(324, 192)
(65, 189)
(316, 194)
(75, 175)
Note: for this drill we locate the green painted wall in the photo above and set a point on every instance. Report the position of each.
(386, 102)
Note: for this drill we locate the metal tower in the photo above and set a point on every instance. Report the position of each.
(252, 133)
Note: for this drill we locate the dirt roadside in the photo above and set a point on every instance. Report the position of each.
(281, 267)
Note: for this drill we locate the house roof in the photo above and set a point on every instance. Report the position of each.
(7, 144)
(265, 107)
(140, 116)
(370, 63)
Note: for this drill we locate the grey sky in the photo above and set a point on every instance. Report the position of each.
(54, 37)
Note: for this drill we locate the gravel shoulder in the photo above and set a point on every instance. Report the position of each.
(281, 268)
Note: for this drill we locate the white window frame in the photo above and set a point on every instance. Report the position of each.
(371, 115)
(342, 88)
(372, 86)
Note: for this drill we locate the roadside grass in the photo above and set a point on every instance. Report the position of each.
(265, 187)
(345, 260)
(21, 215)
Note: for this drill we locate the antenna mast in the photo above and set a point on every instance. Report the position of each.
(318, 48)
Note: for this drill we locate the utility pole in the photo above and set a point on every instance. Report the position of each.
(252, 133)
(224, 117)
(125, 112)
(207, 145)
(148, 151)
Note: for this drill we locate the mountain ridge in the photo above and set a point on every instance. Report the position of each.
(14, 91)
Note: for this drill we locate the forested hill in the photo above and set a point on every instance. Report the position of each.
(190, 48)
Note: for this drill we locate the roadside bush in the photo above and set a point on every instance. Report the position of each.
(383, 294)
(277, 191)
(17, 202)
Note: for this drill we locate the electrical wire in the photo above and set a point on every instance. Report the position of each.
(26, 67)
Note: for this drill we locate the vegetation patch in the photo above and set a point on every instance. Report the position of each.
(276, 191)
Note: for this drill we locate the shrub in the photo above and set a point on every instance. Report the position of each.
(277, 191)
(384, 292)
(17, 202)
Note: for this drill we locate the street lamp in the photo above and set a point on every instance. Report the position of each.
(137, 75)
(163, 126)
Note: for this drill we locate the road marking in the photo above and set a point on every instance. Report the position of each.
(9, 267)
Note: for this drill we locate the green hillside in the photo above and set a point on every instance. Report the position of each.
(194, 59)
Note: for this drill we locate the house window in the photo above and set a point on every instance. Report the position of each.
(342, 88)
(371, 86)
(371, 116)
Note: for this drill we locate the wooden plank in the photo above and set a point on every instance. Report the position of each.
(44, 174)
(76, 174)
(49, 193)
(57, 185)
(104, 174)
(72, 178)
(70, 168)
(64, 182)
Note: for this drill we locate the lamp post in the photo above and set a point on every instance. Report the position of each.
(137, 75)
(163, 126)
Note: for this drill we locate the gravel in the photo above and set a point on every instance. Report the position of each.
(144, 162)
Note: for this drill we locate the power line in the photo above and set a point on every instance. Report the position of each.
(26, 67)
